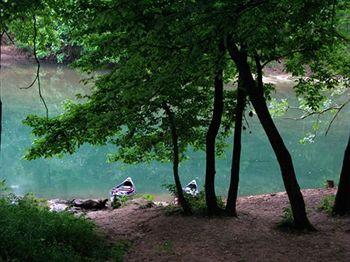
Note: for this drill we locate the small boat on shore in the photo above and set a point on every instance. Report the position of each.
(191, 188)
(126, 188)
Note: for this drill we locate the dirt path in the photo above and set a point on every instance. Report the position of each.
(250, 237)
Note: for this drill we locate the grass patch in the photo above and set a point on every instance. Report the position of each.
(148, 197)
(120, 249)
(30, 232)
(166, 247)
(287, 221)
(327, 204)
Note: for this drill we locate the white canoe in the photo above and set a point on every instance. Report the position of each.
(126, 188)
(191, 188)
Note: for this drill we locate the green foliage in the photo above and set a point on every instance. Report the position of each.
(287, 221)
(3, 188)
(6, 194)
(127, 106)
(309, 138)
(119, 201)
(171, 188)
(155, 58)
(52, 32)
(30, 232)
(16, 9)
(120, 249)
(197, 203)
(166, 53)
(278, 108)
(148, 197)
(327, 204)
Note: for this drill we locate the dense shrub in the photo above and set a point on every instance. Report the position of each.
(30, 232)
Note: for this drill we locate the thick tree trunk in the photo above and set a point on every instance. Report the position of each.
(342, 199)
(282, 154)
(182, 200)
(213, 130)
(236, 154)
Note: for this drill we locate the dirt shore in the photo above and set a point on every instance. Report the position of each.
(12, 55)
(252, 236)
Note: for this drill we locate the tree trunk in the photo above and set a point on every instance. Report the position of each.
(213, 130)
(1, 37)
(342, 199)
(282, 154)
(0, 122)
(182, 200)
(236, 154)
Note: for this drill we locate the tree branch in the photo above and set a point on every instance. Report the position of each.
(37, 77)
(318, 113)
(335, 116)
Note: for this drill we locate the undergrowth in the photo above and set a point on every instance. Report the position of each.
(121, 201)
(197, 203)
(30, 232)
(287, 221)
(327, 204)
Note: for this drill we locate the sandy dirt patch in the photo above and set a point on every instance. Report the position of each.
(250, 237)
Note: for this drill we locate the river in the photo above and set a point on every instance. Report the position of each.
(87, 174)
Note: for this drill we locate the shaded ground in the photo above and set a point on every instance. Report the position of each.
(251, 237)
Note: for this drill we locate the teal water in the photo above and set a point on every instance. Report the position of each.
(86, 173)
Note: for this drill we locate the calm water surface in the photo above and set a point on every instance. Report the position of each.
(86, 173)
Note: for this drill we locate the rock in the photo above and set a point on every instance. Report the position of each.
(138, 202)
(330, 184)
(89, 204)
(150, 204)
(57, 205)
(161, 203)
(141, 203)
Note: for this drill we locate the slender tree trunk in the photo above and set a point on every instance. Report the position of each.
(342, 199)
(211, 201)
(1, 37)
(282, 154)
(0, 123)
(175, 139)
(236, 154)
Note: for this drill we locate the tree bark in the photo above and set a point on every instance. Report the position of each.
(236, 154)
(211, 200)
(0, 123)
(1, 37)
(342, 199)
(282, 154)
(175, 140)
